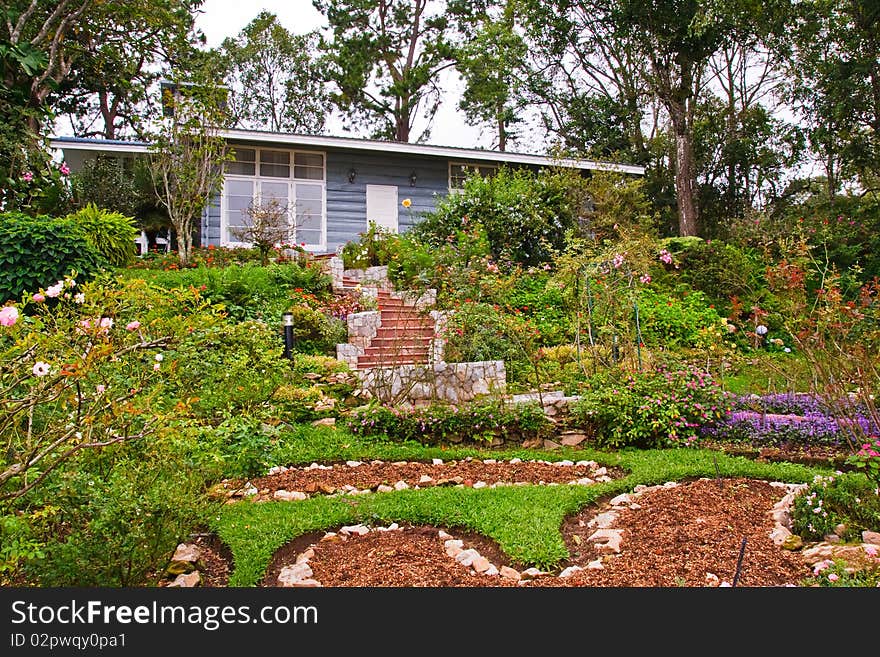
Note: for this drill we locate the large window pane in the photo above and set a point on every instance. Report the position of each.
(239, 197)
(244, 163)
(309, 213)
(309, 166)
(275, 164)
(279, 193)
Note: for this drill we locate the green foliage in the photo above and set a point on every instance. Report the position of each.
(121, 513)
(650, 409)
(441, 423)
(110, 233)
(274, 78)
(838, 573)
(672, 323)
(114, 184)
(540, 300)
(227, 369)
(37, 251)
(850, 500)
(525, 216)
(479, 331)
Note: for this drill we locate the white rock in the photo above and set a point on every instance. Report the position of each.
(353, 464)
(250, 490)
(290, 575)
(585, 481)
(401, 485)
(305, 556)
(640, 488)
(489, 461)
(568, 572)
(277, 469)
(305, 584)
(531, 573)
(466, 557)
(289, 495)
(598, 472)
(564, 464)
(779, 534)
(382, 488)
(426, 479)
(620, 500)
(393, 526)
(515, 460)
(670, 484)
(595, 565)
(186, 580)
(436, 461)
(587, 464)
(872, 538)
(603, 520)
(491, 571)
(186, 552)
(453, 542)
(443, 535)
(480, 564)
(314, 466)
(358, 530)
(480, 484)
(607, 540)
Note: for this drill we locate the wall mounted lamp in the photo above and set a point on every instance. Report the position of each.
(412, 178)
(352, 174)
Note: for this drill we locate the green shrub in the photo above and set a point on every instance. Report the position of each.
(850, 500)
(480, 421)
(671, 322)
(537, 297)
(38, 251)
(480, 331)
(377, 246)
(122, 511)
(111, 233)
(650, 409)
(525, 215)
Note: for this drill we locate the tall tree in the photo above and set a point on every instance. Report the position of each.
(187, 154)
(274, 80)
(384, 58)
(834, 70)
(489, 59)
(122, 57)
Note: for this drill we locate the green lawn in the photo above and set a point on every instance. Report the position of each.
(524, 520)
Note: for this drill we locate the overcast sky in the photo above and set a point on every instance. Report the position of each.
(219, 19)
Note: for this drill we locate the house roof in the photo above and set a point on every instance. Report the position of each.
(352, 143)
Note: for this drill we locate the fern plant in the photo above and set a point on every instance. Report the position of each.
(112, 234)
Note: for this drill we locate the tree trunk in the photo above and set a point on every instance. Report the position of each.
(184, 244)
(685, 187)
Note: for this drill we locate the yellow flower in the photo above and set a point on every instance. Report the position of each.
(406, 203)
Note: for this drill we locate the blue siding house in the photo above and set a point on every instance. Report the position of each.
(331, 186)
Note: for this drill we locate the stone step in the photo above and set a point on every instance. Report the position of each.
(369, 363)
(404, 315)
(397, 350)
(404, 339)
(393, 332)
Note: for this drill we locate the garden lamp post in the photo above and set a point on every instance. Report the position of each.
(287, 321)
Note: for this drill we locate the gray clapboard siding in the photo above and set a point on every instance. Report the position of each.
(210, 232)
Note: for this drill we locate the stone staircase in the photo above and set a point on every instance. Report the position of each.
(404, 334)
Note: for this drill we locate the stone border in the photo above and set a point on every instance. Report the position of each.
(600, 474)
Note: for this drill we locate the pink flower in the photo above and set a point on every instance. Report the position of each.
(100, 388)
(106, 323)
(8, 316)
(156, 366)
(54, 290)
(64, 169)
(28, 176)
(665, 256)
(79, 298)
(833, 577)
(133, 326)
(40, 368)
(38, 298)
(645, 278)
(617, 260)
(85, 323)
(871, 551)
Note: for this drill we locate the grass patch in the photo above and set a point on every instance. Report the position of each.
(524, 520)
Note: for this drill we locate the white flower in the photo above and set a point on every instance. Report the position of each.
(159, 358)
(40, 368)
(760, 329)
(55, 290)
(79, 298)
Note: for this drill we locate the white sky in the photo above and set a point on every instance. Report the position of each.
(219, 19)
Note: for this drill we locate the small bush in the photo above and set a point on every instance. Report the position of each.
(37, 251)
(671, 322)
(650, 409)
(377, 246)
(111, 233)
(849, 500)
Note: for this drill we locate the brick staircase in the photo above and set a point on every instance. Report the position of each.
(404, 337)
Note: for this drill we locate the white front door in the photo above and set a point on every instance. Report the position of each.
(382, 206)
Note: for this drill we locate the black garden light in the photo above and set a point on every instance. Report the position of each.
(287, 321)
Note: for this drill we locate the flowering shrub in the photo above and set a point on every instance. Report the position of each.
(868, 459)
(651, 409)
(839, 574)
(440, 423)
(849, 500)
(672, 322)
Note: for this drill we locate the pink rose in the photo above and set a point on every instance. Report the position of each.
(8, 316)
(28, 176)
(38, 298)
(54, 290)
(64, 169)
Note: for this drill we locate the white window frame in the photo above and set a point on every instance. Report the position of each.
(291, 181)
(476, 165)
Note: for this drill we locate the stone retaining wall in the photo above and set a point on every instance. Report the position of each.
(451, 382)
